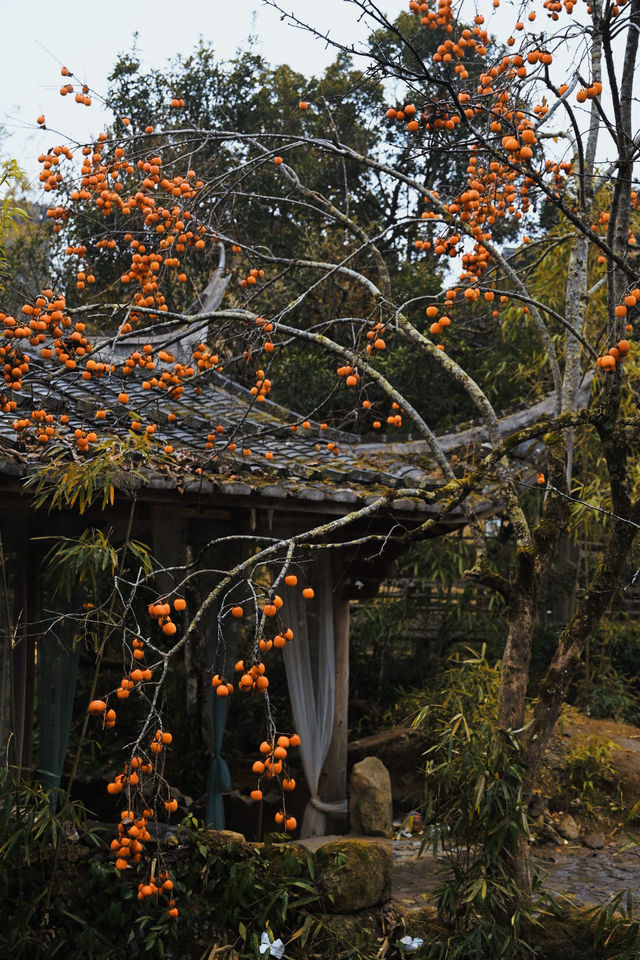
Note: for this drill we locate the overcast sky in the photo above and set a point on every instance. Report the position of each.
(39, 38)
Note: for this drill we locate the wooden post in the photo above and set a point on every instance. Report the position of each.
(23, 652)
(6, 620)
(333, 778)
(169, 545)
(168, 542)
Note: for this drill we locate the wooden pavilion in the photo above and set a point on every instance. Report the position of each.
(203, 493)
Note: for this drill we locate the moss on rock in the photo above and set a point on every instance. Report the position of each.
(221, 838)
(353, 874)
(287, 859)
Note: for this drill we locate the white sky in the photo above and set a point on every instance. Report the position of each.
(39, 38)
(87, 38)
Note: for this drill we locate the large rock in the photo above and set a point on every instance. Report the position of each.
(222, 838)
(224, 841)
(595, 841)
(401, 749)
(370, 803)
(287, 860)
(353, 874)
(537, 806)
(568, 828)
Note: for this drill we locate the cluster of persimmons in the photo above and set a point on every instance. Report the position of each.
(140, 778)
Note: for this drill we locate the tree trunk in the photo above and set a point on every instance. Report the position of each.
(517, 652)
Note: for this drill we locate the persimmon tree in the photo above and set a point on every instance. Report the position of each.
(247, 92)
(551, 159)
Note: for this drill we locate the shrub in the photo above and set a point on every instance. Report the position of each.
(589, 768)
(476, 816)
(64, 897)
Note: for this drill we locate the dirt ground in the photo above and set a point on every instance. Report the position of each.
(588, 876)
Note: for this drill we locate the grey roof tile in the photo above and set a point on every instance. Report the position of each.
(302, 468)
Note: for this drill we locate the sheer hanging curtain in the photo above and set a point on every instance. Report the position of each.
(219, 778)
(309, 664)
(221, 657)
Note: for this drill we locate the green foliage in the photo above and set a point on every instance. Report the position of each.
(615, 927)
(609, 687)
(36, 844)
(61, 483)
(73, 563)
(426, 610)
(589, 767)
(62, 895)
(611, 694)
(12, 178)
(228, 893)
(29, 253)
(476, 816)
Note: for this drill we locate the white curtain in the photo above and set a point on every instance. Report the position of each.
(309, 663)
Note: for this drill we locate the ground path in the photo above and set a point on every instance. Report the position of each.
(589, 876)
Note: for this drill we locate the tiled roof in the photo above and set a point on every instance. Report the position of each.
(302, 469)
